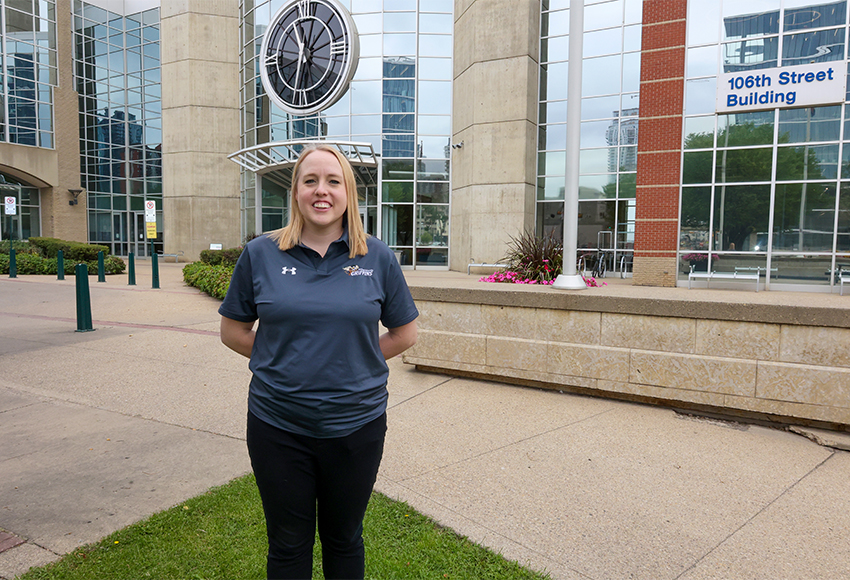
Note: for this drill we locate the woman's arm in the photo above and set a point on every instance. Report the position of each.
(238, 336)
(397, 340)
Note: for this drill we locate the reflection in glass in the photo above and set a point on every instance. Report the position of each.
(432, 226)
(435, 98)
(601, 75)
(554, 49)
(596, 43)
(598, 108)
(699, 132)
(696, 167)
(700, 13)
(807, 162)
(816, 16)
(398, 225)
(816, 46)
(746, 18)
(750, 54)
(553, 23)
(702, 61)
(737, 165)
(700, 96)
(695, 215)
(597, 186)
(435, 45)
(550, 188)
(741, 129)
(432, 192)
(809, 124)
(553, 82)
(741, 215)
(603, 15)
(804, 217)
(397, 192)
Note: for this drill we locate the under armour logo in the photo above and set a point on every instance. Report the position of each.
(288, 270)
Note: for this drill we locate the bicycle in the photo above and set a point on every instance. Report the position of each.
(600, 266)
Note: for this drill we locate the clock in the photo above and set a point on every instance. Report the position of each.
(309, 55)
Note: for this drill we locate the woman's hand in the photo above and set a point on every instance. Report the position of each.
(397, 340)
(238, 336)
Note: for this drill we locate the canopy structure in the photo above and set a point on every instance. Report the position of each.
(274, 161)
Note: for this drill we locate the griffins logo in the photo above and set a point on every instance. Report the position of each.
(357, 271)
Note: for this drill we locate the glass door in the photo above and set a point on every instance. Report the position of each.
(138, 240)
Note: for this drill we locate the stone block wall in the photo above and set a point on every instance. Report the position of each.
(765, 361)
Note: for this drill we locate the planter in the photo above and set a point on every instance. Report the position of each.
(699, 265)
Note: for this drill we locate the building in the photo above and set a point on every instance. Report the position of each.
(687, 157)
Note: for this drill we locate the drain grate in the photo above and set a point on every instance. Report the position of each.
(9, 541)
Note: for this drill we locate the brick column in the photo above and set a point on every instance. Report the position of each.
(662, 89)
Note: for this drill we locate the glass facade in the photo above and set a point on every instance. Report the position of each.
(26, 222)
(610, 103)
(27, 71)
(399, 102)
(765, 189)
(117, 59)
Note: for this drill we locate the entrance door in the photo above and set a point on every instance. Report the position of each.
(137, 235)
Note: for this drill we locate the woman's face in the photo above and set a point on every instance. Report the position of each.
(320, 192)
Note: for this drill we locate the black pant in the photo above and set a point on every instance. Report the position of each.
(295, 475)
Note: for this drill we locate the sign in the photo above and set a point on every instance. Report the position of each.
(215, 246)
(805, 85)
(150, 219)
(11, 205)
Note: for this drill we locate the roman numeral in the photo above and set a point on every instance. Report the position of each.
(338, 47)
(303, 8)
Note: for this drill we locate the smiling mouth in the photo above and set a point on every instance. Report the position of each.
(321, 205)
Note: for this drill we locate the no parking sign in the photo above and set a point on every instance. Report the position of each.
(150, 219)
(11, 205)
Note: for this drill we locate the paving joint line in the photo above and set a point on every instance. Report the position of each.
(757, 514)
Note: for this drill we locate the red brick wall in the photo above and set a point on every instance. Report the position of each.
(662, 80)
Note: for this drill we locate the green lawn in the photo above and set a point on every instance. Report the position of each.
(221, 535)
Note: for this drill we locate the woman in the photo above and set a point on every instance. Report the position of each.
(317, 399)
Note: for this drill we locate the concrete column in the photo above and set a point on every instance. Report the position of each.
(496, 48)
(200, 124)
(60, 220)
(662, 89)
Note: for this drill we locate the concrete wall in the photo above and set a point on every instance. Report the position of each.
(764, 360)
(200, 120)
(495, 116)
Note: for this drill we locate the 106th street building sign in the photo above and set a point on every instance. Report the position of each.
(776, 88)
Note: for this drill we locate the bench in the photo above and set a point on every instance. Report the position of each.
(175, 256)
(709, 276)
(473, 264)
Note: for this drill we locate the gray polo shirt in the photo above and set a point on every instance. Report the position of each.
(318, 369)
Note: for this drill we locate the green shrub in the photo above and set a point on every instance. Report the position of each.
(214, 280)
(34, 264)
(21, 247)
(226, 257)
(74, 251)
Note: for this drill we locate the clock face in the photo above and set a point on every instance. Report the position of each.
(309, 55)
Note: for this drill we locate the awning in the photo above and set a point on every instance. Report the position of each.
(274, 161)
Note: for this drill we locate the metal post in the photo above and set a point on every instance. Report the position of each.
(84, 324)
(101, 274)
(60, 265)
(570, 279)
(131, 269)
(13, 265)
(154, 268)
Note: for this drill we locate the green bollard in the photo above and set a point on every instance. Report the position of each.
(155, 268)
(101, 270)
(131, 269)
(13, 265)
(60, 265)
(84, 324)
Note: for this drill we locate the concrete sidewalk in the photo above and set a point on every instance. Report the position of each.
(101, 429)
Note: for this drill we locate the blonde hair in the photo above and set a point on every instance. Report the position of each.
(290, 235)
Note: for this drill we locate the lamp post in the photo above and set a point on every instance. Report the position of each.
(570, 279)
